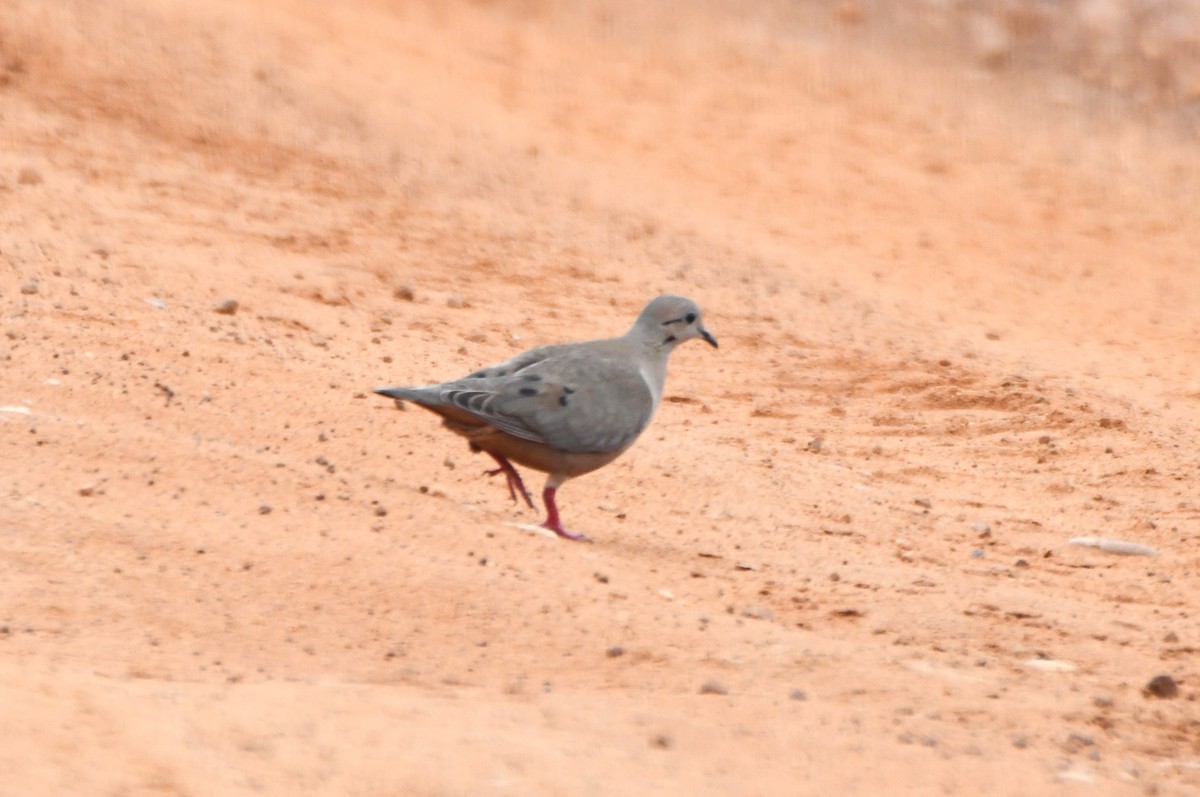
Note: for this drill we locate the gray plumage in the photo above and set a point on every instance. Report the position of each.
(565, 409)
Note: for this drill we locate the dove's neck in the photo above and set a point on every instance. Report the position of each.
(652, 361)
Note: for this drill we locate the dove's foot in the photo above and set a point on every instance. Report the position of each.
(552, 521)
(566, 535)
(515, 484)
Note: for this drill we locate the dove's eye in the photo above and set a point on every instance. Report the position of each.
(690, 318)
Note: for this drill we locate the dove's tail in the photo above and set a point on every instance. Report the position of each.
(431, 398)
(416, 394)
(428, 396)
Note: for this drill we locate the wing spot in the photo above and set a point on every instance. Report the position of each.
(532, 377)
(568, 390)
(478, 375)
(528, 391)
(562, 400)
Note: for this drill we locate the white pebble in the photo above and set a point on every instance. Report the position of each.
(1115, 546)
(1050, 665)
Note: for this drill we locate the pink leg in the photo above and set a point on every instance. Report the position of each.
(552, 521)
(514, 478)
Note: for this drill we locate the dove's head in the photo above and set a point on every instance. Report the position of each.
(670, 320)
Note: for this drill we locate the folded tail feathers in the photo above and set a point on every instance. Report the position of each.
(400, 393)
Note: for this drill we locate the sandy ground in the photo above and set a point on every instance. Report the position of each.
(960, 324)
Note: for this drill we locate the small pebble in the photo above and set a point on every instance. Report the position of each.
(404, 293)
(380, 511)
(29, 176)
(87, 490)
(1162, 686)
(661, 741)
(815, 444)
(615, 651)
(455, 302)
(29, 288)
(1077, 741)
(1120, 547)
(757, 613)
(713, 688)
(1020, 742)
(226, 307)
(798, 694)
(923, 502)
(1050, 665)
(264, 509)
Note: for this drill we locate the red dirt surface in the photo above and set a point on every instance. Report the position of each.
(959, 316)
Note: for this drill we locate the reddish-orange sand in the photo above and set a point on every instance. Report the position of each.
(959, 313)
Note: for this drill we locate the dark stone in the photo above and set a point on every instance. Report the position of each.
(1163, 686)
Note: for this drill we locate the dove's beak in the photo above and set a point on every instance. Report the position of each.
(708, 338)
